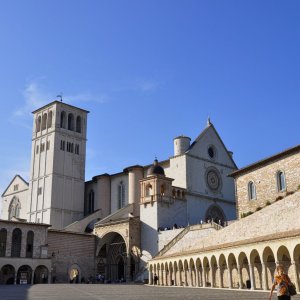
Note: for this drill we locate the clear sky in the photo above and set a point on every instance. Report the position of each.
(149, 71)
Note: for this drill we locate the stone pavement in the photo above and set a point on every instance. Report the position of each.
(120, 291)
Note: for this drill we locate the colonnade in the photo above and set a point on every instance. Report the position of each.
(250, 266)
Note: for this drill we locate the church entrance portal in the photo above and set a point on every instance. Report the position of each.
(216, 214)
(113, 258)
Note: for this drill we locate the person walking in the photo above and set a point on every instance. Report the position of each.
(282, 281)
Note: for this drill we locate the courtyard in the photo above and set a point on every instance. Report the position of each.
(134, 292)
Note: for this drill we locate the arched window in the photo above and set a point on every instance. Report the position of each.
(44, 122)
(281, 181)
(50, 116)
(38, 124)
(14, 208)
(3, 236)
(251, 190)
(16, 242)
(29, 244)
(91, 202)
(78, 124)
(148, 190)
(71, 122)
(121, 195)
(63, 119)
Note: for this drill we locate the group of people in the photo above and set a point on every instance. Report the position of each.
(175, 226)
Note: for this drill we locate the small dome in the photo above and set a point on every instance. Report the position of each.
(156, 169)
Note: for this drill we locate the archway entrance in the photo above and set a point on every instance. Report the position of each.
(40, 275)
(7, 274)
(113, 258)
(24, 275)
(216, 214)
(74, 274)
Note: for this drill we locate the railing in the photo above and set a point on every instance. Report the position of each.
(178, 237)
(181, 234)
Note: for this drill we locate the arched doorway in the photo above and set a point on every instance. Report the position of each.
(24, 275)
(74, 274)
(215, 213)
(40, 275)
(7, 274)
(113, 258)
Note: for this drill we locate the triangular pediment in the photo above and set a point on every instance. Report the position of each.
(17, 184)
(209, 137)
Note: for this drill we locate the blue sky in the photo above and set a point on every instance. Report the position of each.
(149, 71)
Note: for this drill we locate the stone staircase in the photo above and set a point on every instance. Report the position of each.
(210, 226)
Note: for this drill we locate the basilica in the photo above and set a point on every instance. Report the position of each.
(192, 219)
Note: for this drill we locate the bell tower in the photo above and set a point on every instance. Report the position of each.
(57, 173)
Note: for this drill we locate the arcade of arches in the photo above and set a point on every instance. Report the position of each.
(248, 266)
(23, 274)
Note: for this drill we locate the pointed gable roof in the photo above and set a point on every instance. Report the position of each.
(17, 176)
(210, 126)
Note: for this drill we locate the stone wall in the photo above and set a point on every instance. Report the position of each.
(71, 250)
(265, 180)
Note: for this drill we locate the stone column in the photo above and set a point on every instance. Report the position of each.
(211, 277)
(162, 277)
(252, 279)
(229, 278)
(180, 277)
(264, 276)
(197, 277)
(190, 277)
(175, 276)
(201, 276)
(15, 278)
(185, 278)
(159, 277)
(240, 276)
(150, 277)
(166, 277)
(204, 277)
(295, 271)
(220, 277)
(128, 275)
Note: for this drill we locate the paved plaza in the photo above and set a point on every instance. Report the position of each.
(116, 292)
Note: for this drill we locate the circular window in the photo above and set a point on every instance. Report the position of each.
(211, 152)
(213, 179)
